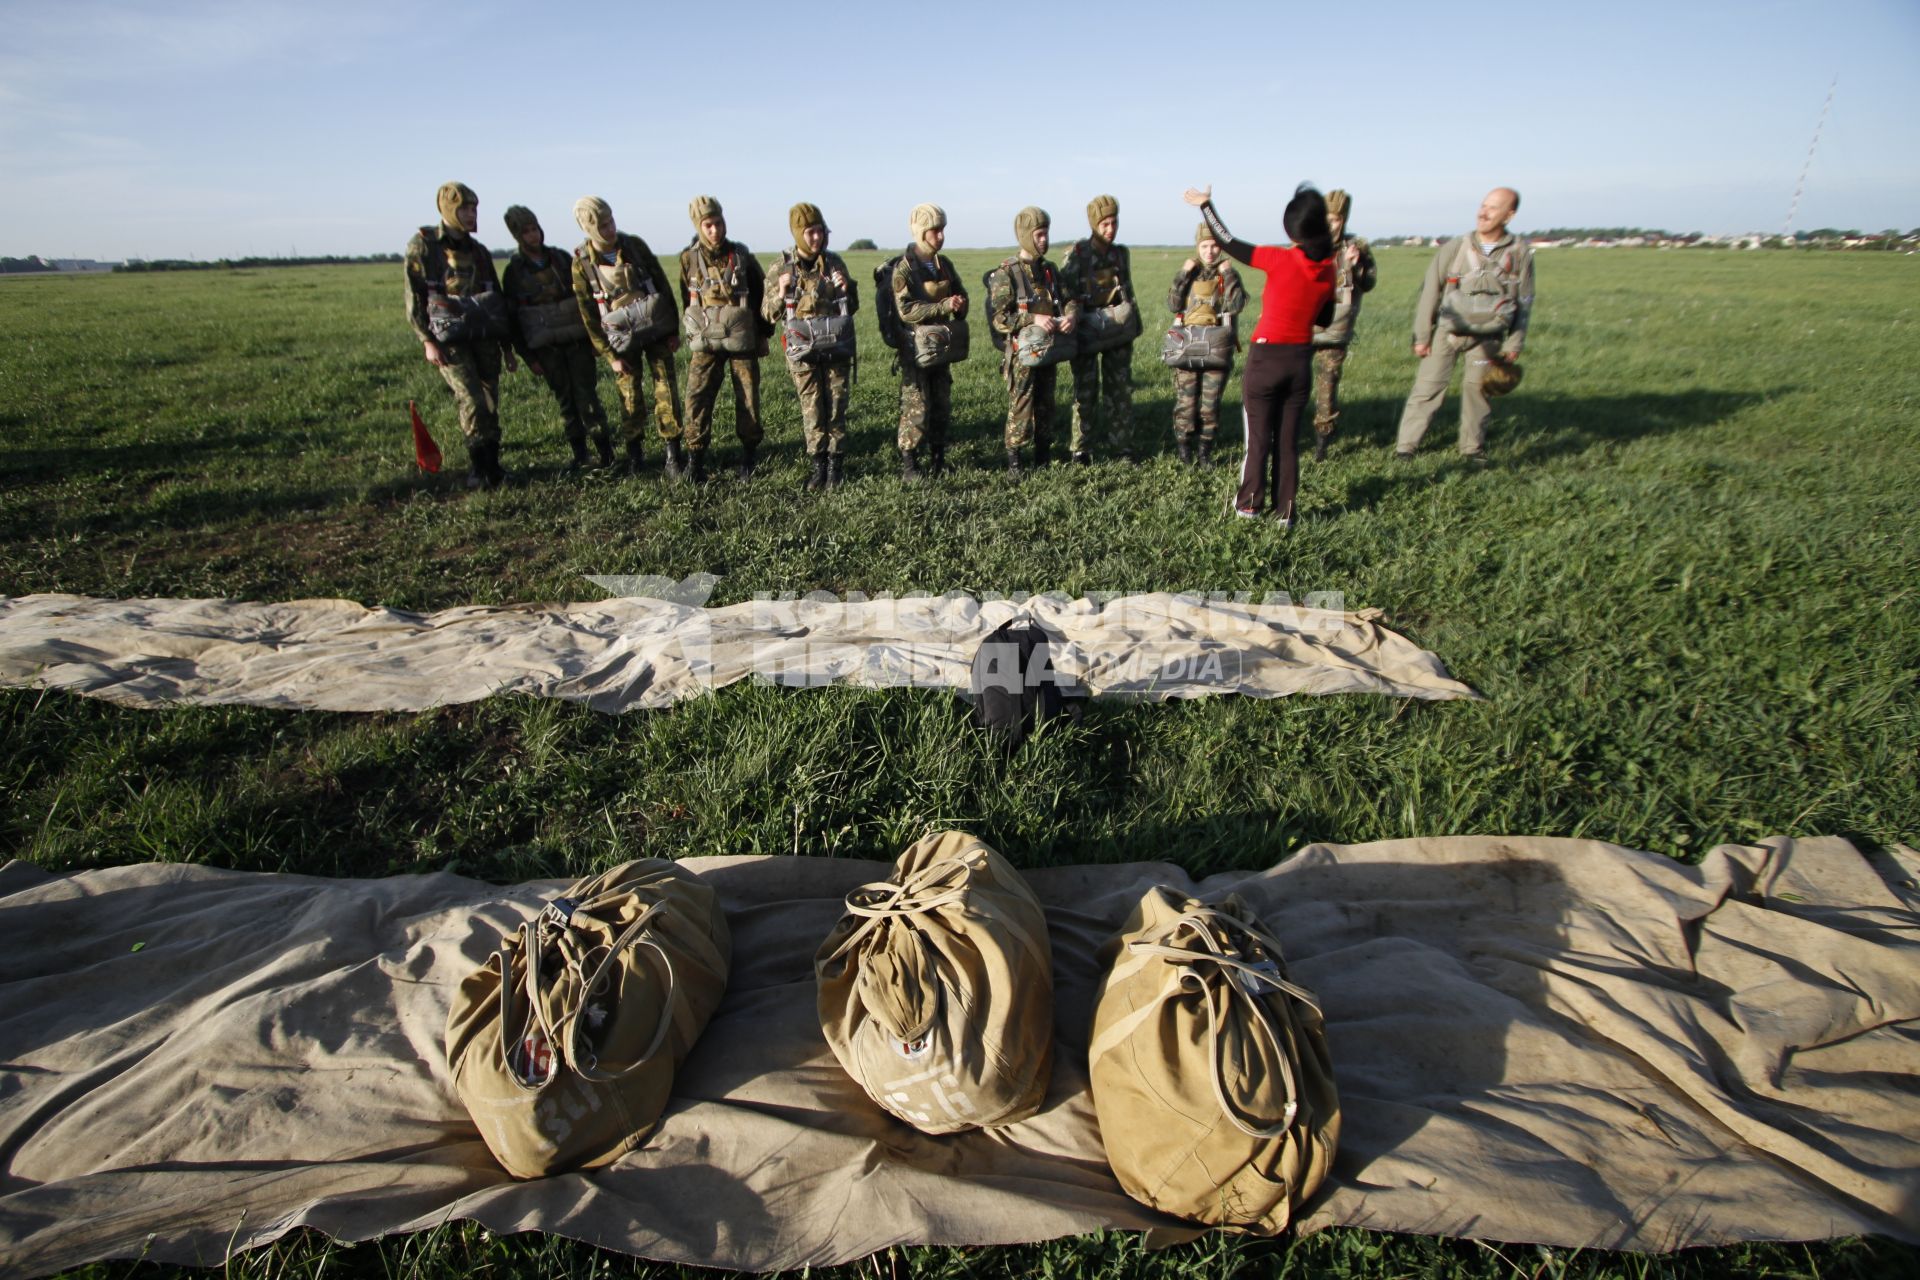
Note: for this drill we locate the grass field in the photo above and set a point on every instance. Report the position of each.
(1686, 585)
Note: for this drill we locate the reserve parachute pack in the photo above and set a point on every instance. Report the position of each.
(1338, 331)
(550, 323)
(818, 337)
(930, 345)
(633, 312)
(564, 1045)
(1108, 325)
(1479, 299)
(1199, 340)
(1209, 1067)
(721, 327)
(1033, 347)
(453, 314)
(935, 989)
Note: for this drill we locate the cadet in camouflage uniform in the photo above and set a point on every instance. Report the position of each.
(1512, 258)
(1099, 273)
(926, 288)
(610, 263)
(1207, 291)
(715, 272)
(1050, 306)
(446, 262)
(1354, 276)
(816, 282)
(538, 283)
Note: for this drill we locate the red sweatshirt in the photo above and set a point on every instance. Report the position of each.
(1298, 289)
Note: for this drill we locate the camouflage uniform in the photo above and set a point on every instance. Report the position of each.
(1352, 280)
(1030, 391)
(446, 259)
(1098, 274)
(1203, 295)
(921, 287)
(1515, 259)
(626, 268)
(722, 277)
(824, 389)
(567, 365)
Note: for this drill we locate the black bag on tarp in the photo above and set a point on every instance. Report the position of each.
(1015, 688)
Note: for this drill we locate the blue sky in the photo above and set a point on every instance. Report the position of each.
(203, 129)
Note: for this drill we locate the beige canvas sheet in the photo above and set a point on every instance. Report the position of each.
(1535, 1040)
(621, 654)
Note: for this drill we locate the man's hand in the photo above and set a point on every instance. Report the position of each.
(957, 305)
(1197, 196)
(839, 279)
(673, 343)
(1352, 253)
(1066, 325)
(786, 278)
(508, 359)
(620, 367)
(1423, 349)
(435, 356)
(1046, 324)
(1189, 265)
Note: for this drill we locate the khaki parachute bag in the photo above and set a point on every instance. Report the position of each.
(634, 314)
(1032, 346)
(1209, 1069)
(1479, 300)
(1110, 324)
(936, 989)
(715, 327)
(564, 1045)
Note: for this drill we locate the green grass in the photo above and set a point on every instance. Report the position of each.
(1686, 586)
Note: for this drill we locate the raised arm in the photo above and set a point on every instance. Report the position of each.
(1238, 250)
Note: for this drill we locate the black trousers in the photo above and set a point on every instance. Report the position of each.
(1273, 394)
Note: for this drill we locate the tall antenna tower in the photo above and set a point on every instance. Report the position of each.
(1799, 187)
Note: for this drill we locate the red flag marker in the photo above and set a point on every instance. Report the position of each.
(425, 451)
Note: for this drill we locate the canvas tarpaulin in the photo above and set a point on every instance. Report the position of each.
(632, 652)
(1542, 1040)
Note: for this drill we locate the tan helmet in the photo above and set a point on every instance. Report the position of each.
(1101, 207)
(924, 218)
(802, 216)
(450, 198)
(1338, 202)
(518, 218)
(1025, 223)
(700, 208)
(1202, 234)
(590, 212)
(1501, 377)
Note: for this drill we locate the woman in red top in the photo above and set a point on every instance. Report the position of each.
(1279, 373)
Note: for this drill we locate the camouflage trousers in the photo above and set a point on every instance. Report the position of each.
(926, 405)
(1430, 388)
(705, 372)
(1030, 405)
(473, 374)
(823, 390)
(1103, 381)
(573, 375)
(1196, 401)
(658, 361)
(1328, 362)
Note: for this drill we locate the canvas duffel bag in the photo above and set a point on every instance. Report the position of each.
(1198, 346)
(819, 339)
(1209, 1069)
(547, 324)
(564, 1045)
(936, 989)
(940, 343)
(1036, 348)
(639, 322)
(1107, 328)
(477, 317)
(725, 329)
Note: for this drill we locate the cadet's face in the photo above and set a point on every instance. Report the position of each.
(1107, 228)
(814, 238)
(935, 238)
(1041, 239)
(1208, 251)
(532, 238)
(1336, 223)
(607, 228)
(1495, 211)
(713, 230)
(469, 216)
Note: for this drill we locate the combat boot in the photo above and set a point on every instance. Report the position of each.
(1042, 452)
(1204, 459)
(697, 466)
(636, 456)
(909, 467)
(835, 470)
(817, 476)
(1082, 457)
(937, 461)
(676, 460)
(487, 472)
(603, 445)
(1013, 464)
(1183, 448)
(580, 459)
(476, 465)
(748, 455)
(1320, 447)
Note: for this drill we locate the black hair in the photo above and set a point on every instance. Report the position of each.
(1306, 223)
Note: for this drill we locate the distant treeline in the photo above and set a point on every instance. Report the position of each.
(14, 266)
(1819, 235)
(227, 264)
